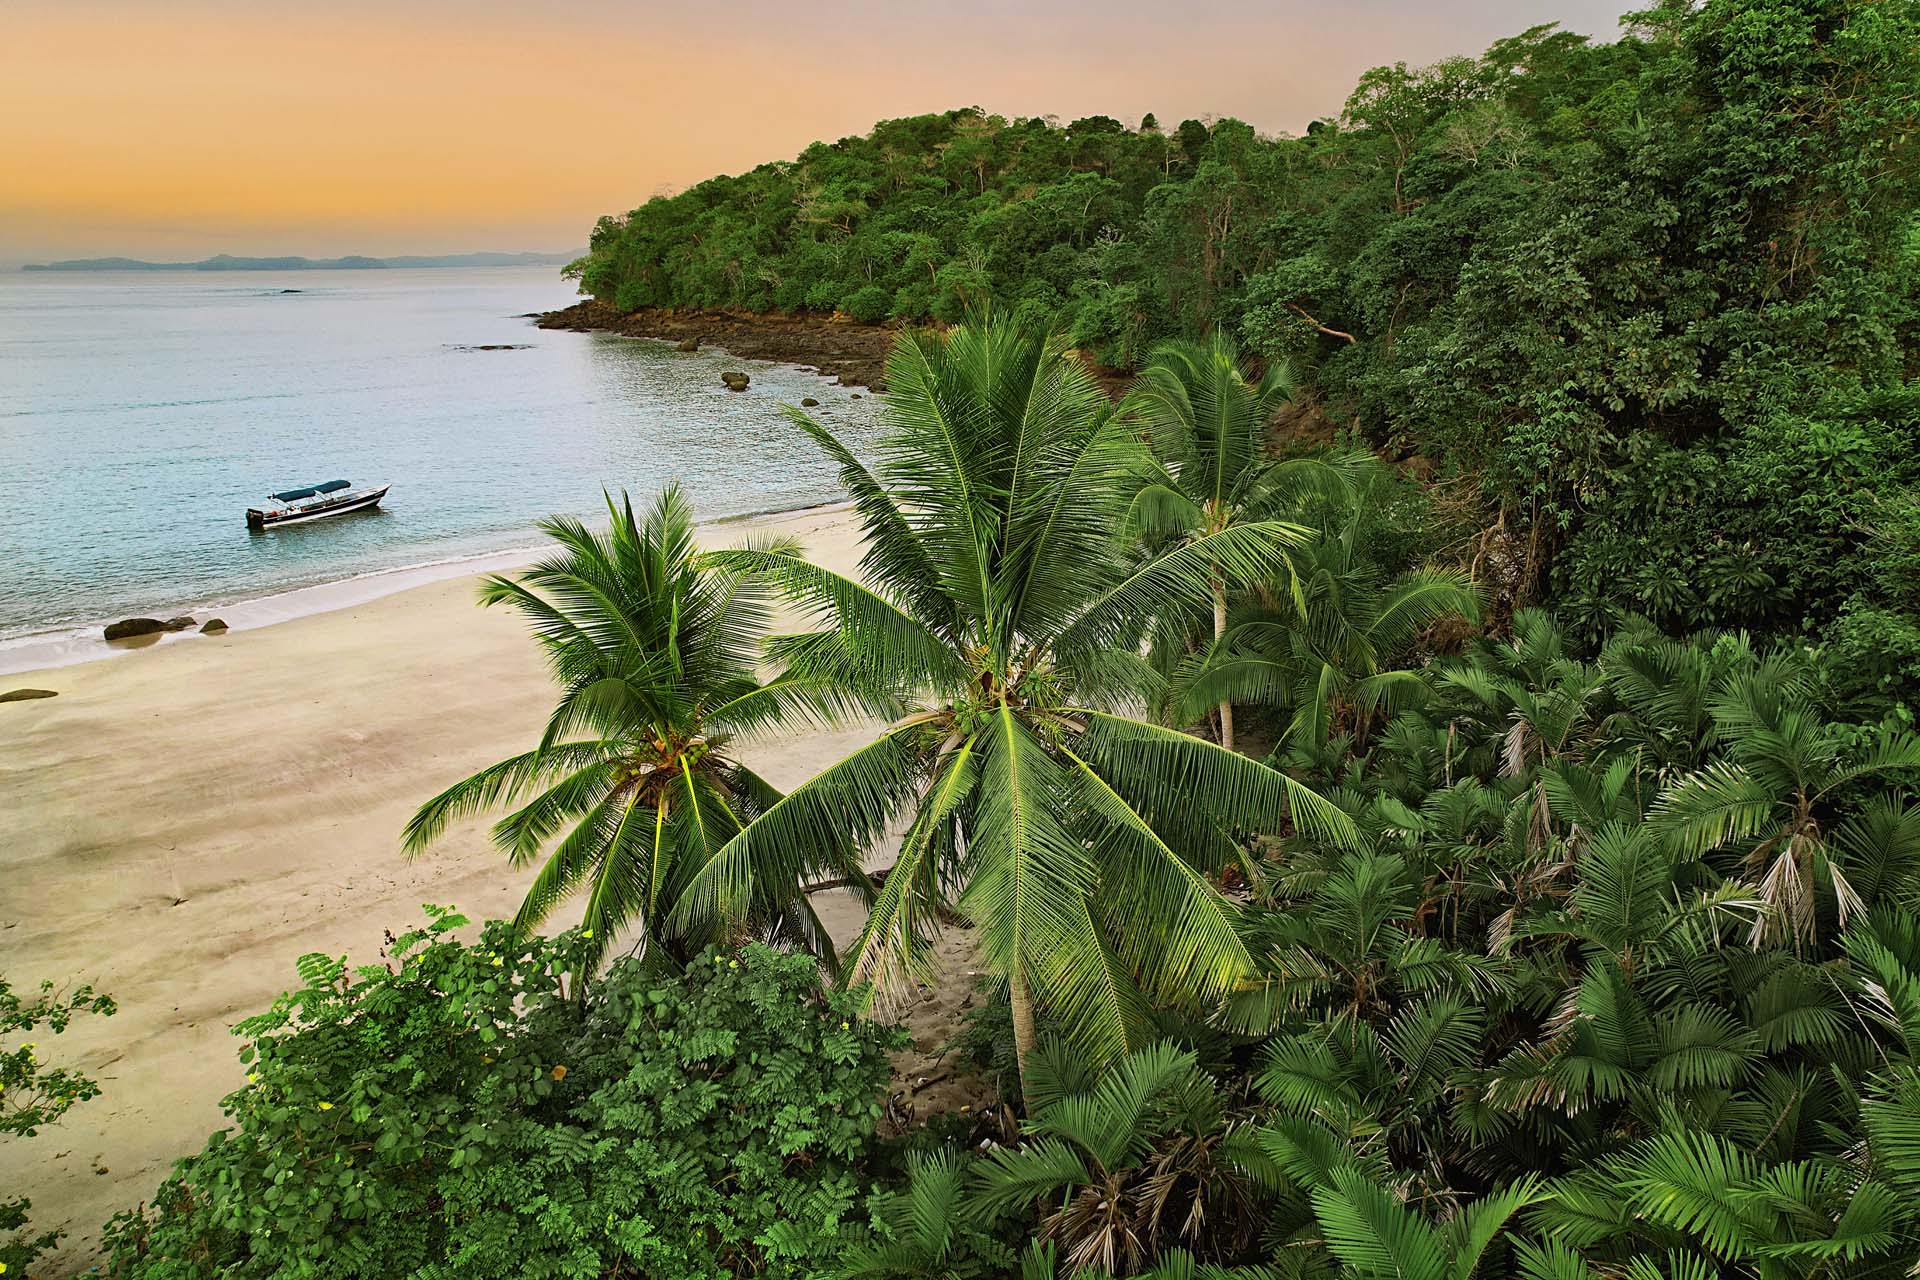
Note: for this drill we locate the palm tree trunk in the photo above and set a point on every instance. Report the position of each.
(1025, 1041)
(1219, 630)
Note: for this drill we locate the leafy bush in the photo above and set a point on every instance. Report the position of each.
(869, 305)
(465, 1110)
(33, 1095)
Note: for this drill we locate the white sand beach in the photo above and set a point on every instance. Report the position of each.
(182, 823)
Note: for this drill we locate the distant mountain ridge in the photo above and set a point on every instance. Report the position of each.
(354, 262)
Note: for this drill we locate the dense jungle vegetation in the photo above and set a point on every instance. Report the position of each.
(1513, 956)
(1508, 866)
(1646, 304)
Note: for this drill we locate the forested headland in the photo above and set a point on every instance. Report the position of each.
(1644, 306)
(1428, 771)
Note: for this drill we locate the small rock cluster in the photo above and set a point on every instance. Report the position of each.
(134, 628)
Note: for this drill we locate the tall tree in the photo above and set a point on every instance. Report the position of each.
(1333, 634)
(998, 600)
(632, 790)
(1206, 414)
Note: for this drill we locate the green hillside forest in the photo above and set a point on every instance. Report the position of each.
(1645, 307)
(1427, 773)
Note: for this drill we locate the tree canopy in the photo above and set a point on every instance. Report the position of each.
(1651, 298)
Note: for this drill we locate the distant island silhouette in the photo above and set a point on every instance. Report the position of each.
(356, 262)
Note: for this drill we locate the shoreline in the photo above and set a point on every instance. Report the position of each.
(833, 346)
(64, 647)
(852, 353)
(185, 826)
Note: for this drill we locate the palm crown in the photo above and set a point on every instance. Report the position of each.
(631, 789)
(1208, 466)
(999, 604)
(1332, 635)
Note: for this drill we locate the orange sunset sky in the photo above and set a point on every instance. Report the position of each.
(181, 128)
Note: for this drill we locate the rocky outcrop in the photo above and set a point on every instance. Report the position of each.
(735, 380)
(835, 346)
(27, 695)
(133, 628)
(213, 627)
(688, 344)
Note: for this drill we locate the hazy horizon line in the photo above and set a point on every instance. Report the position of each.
(9, 262)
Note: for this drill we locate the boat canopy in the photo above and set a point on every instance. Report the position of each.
(294, 495)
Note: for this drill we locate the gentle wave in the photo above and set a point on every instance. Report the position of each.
(144, 415)
(70, 646)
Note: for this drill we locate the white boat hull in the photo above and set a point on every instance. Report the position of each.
(362, 501)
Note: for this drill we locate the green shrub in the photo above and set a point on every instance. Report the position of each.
(465, 1110)
(869, 305)
(33, 1095)
(1871, 663)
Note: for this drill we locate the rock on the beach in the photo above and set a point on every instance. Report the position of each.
(130, 628)
(27, 695)
(687, 344)
(735, 380)
(854, 396)
(809, 402)
(214, 627)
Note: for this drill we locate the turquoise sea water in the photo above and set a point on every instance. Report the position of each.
(141, 414)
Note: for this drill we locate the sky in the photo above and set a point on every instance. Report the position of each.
(175, 129)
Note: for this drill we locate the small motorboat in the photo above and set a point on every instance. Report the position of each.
(317, 502)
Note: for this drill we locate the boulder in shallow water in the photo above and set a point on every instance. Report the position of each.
(128, 628)
(213, 627)
(27, 695)
(809, 403)
(735, 380)
(133, 628)
(854, 396)
(687, 344)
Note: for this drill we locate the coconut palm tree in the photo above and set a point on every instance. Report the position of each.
(632, 789)
(1330, 634)
(1205, 415)
(998, 601)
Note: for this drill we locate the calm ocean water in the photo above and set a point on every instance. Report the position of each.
(141, 414)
